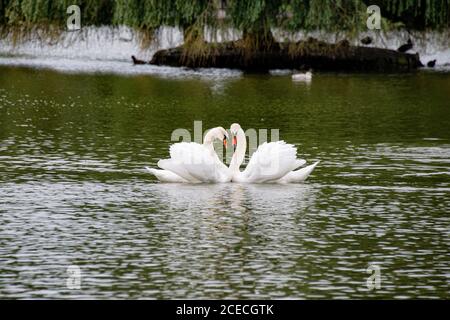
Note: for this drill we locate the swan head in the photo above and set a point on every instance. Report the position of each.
(234, 128)
(217, 133)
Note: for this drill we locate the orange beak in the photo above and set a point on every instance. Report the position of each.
(234, 141)
(225, 142)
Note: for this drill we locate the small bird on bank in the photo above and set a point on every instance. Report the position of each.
(405, 47)
(366, 40)
(431, 63)
(137, 61)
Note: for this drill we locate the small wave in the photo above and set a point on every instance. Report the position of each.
(392, 188)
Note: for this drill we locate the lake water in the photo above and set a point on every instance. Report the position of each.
(74, 192)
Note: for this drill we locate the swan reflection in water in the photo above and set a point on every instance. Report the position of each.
(224, 236)
(216, 209)
(233, 198)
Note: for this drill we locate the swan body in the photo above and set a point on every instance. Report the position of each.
(306, 76)
(272, 162)
(192, 162)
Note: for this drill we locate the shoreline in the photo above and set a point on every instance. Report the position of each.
(113, 44)
(308, 54)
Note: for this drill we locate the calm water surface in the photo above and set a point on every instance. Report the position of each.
(73, 190)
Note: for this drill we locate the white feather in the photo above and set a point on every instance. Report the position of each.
(166, 176)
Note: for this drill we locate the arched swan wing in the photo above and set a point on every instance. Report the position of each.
(298, 175)
(195, 163)
(271, 161)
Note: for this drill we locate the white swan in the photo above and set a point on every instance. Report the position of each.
(272, 162)
(193, 162)
(306, 77)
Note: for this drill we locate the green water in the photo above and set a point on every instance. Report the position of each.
(73, 189)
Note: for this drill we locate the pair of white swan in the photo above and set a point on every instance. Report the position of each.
(273, 162)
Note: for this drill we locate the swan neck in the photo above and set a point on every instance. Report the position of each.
(208, 140)
(239, 154)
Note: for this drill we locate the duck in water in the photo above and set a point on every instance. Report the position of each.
(302, 76)
(137, 61)
(406, 47)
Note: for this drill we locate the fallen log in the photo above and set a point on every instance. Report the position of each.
(311, 53)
